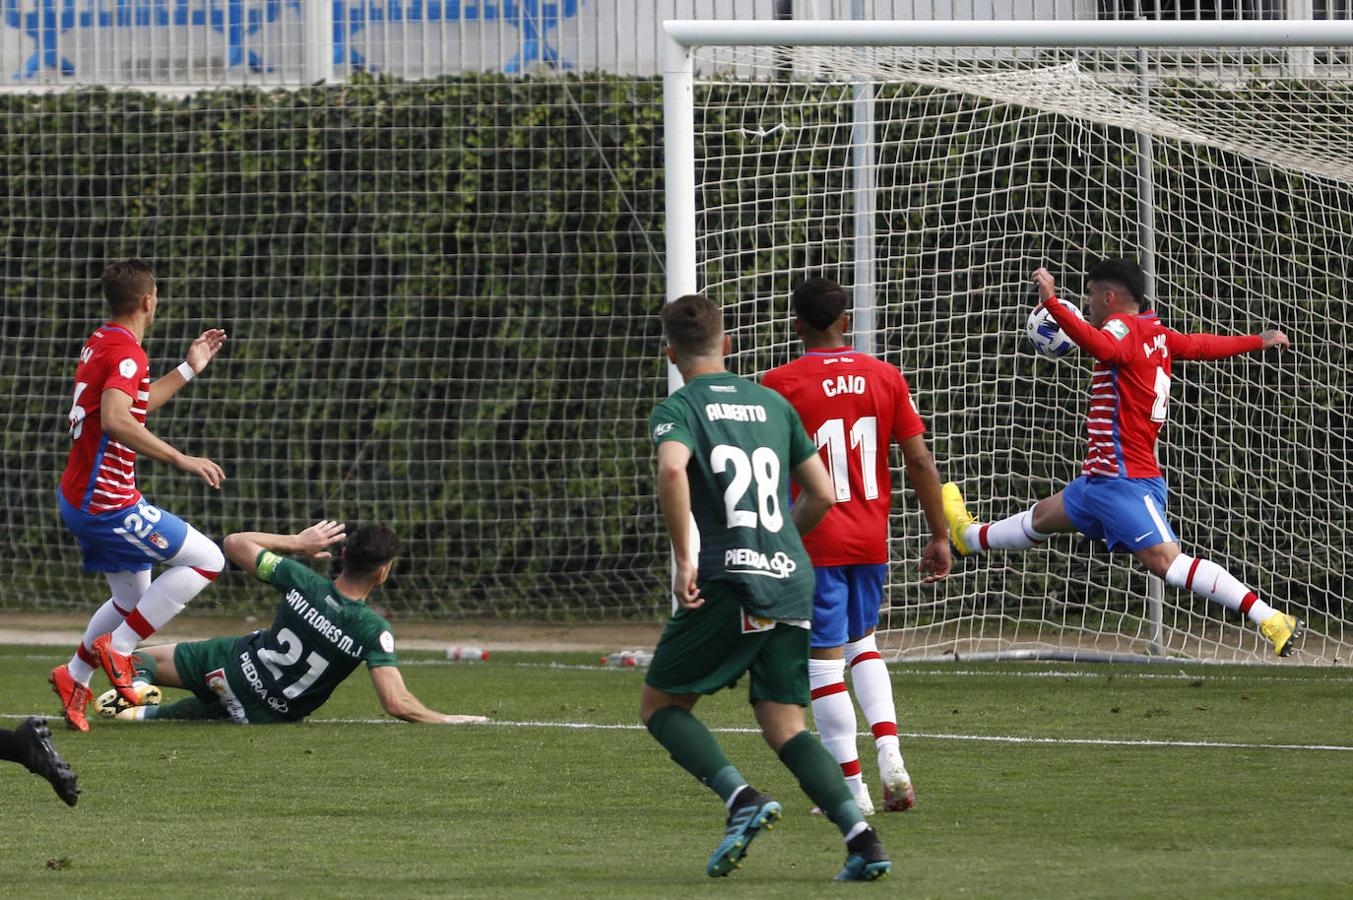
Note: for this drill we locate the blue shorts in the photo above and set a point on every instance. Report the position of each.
(846, 602)
(125, 540)
(1125, 513)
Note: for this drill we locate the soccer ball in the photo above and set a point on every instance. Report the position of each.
(1046, 335)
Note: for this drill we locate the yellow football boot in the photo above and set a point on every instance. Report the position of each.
(957, 515)
(1283, 630)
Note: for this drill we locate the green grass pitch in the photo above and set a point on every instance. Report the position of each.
(1033, 781)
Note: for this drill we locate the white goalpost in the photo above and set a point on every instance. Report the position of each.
(932, 166)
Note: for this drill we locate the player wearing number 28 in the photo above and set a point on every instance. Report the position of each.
(1120, 495)
(726, 447)
(120, 532)
(854, 406)
(323, 630)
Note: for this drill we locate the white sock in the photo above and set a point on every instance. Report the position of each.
(1015, 532)
(1207, 579)
(195, 566)
(126, 588)
(834, 715)
(859, 827)
(874, 690)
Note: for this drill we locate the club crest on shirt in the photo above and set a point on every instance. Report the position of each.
(1118, 328)
(752, 624)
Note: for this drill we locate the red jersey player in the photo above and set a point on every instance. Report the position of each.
(1120, 495)
(854, 405)
(120, 533)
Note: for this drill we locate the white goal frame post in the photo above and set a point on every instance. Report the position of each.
(683, 37)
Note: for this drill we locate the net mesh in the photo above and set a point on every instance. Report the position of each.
(441, 304)
(990, 163)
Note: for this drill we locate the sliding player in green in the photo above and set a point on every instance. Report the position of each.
(322, 631)
(726, 448)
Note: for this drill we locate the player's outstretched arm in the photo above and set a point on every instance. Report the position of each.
(816, 494)
(397, 700)
(121, 426)
(200, 352)
(1218, 346)
(243, 547)
(924, 475)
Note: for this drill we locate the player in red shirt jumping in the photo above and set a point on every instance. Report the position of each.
(120, 532)
(854, 405)
(1120, 495)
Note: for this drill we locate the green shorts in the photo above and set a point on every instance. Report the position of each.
(704, 650)
(210, 669)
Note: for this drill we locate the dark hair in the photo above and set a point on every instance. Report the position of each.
(367, 549)
(693, 325)
(819, 302)
(1121, 272)
(125, 283)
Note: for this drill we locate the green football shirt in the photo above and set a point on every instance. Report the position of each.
(317, 638)
(744, 441)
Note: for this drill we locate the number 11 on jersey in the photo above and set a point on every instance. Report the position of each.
(863, 439)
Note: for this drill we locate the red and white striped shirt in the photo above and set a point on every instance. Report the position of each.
(100, 472)
(1130, 388)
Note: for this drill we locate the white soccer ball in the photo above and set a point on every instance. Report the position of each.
(1046, 335)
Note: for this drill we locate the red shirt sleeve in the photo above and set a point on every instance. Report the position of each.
(1094, 341)
(124, 365)
(1211, 346)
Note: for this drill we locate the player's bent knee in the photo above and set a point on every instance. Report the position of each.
(200, 553)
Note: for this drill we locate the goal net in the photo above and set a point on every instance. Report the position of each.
(1229, 171)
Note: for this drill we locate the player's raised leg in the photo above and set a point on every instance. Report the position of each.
(195, 564)
(1021, 531)
(1207, 579)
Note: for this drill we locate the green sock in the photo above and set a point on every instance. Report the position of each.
(820, 777)
(145, 668)
(694, 749)
(189, 708)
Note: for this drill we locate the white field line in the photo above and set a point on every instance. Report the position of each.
(915, 735)
(900, 671)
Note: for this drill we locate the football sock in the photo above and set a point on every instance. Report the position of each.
(874, 690)
(834, 715)
(821, 780)
(1207, 579)
(11, 748)
(1015, 532)
(189, 708)
(146, 669)
(692, 747)
(195, 566)
(126, 589)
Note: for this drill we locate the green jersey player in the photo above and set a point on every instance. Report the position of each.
(726, 448)
(322, 631)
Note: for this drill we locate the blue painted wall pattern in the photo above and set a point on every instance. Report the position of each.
(237, 20)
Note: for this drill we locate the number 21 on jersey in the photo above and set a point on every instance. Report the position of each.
(863, 439)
